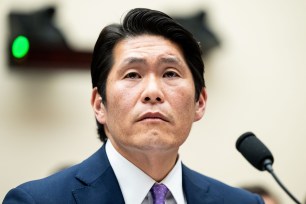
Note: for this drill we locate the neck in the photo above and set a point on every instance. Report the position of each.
(155, 163)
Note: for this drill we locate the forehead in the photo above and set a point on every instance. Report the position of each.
(146, 47)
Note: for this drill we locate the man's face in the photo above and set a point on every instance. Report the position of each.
(269, 200)
(150, 96)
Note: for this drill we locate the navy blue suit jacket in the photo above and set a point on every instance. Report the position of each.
(93, 182)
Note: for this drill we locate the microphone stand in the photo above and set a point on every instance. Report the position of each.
(269, 168)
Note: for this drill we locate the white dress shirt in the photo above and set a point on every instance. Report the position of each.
(135, 185)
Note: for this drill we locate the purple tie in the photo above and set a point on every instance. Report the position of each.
(159, 192)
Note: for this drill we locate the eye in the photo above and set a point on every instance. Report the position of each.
(132, 75)
(170, 74)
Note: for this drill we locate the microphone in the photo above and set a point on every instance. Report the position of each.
(259, 156)
(254, 151)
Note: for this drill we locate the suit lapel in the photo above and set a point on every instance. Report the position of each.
(100, 183)
(197, 189)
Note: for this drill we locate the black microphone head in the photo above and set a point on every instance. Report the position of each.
(254, 151)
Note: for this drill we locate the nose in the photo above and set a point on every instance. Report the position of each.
(152, 92)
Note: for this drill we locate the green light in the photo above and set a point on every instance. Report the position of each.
(20, 46)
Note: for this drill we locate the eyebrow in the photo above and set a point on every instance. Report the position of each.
(162, 60)
(170, 60)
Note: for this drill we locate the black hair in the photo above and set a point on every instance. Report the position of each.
(140, 21)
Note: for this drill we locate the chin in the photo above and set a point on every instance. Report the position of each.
(160, 143)
(156, 139)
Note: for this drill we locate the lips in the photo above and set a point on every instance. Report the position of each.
(153, 116)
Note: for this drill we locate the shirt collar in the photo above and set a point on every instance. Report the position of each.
(131, 177)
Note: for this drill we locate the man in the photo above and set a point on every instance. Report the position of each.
(267, 196)
(148, 89)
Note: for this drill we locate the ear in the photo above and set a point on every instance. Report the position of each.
(200, 105)
(98, 106)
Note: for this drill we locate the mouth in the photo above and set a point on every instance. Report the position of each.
(153, 117)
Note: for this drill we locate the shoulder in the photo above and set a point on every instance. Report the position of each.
(52, 189)
(219, 189)
(60, 187)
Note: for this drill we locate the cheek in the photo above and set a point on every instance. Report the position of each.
(120, 101)
(182, 99)
(183, 107)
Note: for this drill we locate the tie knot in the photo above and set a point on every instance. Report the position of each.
(159, 192)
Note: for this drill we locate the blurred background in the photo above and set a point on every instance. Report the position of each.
(255, 76)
